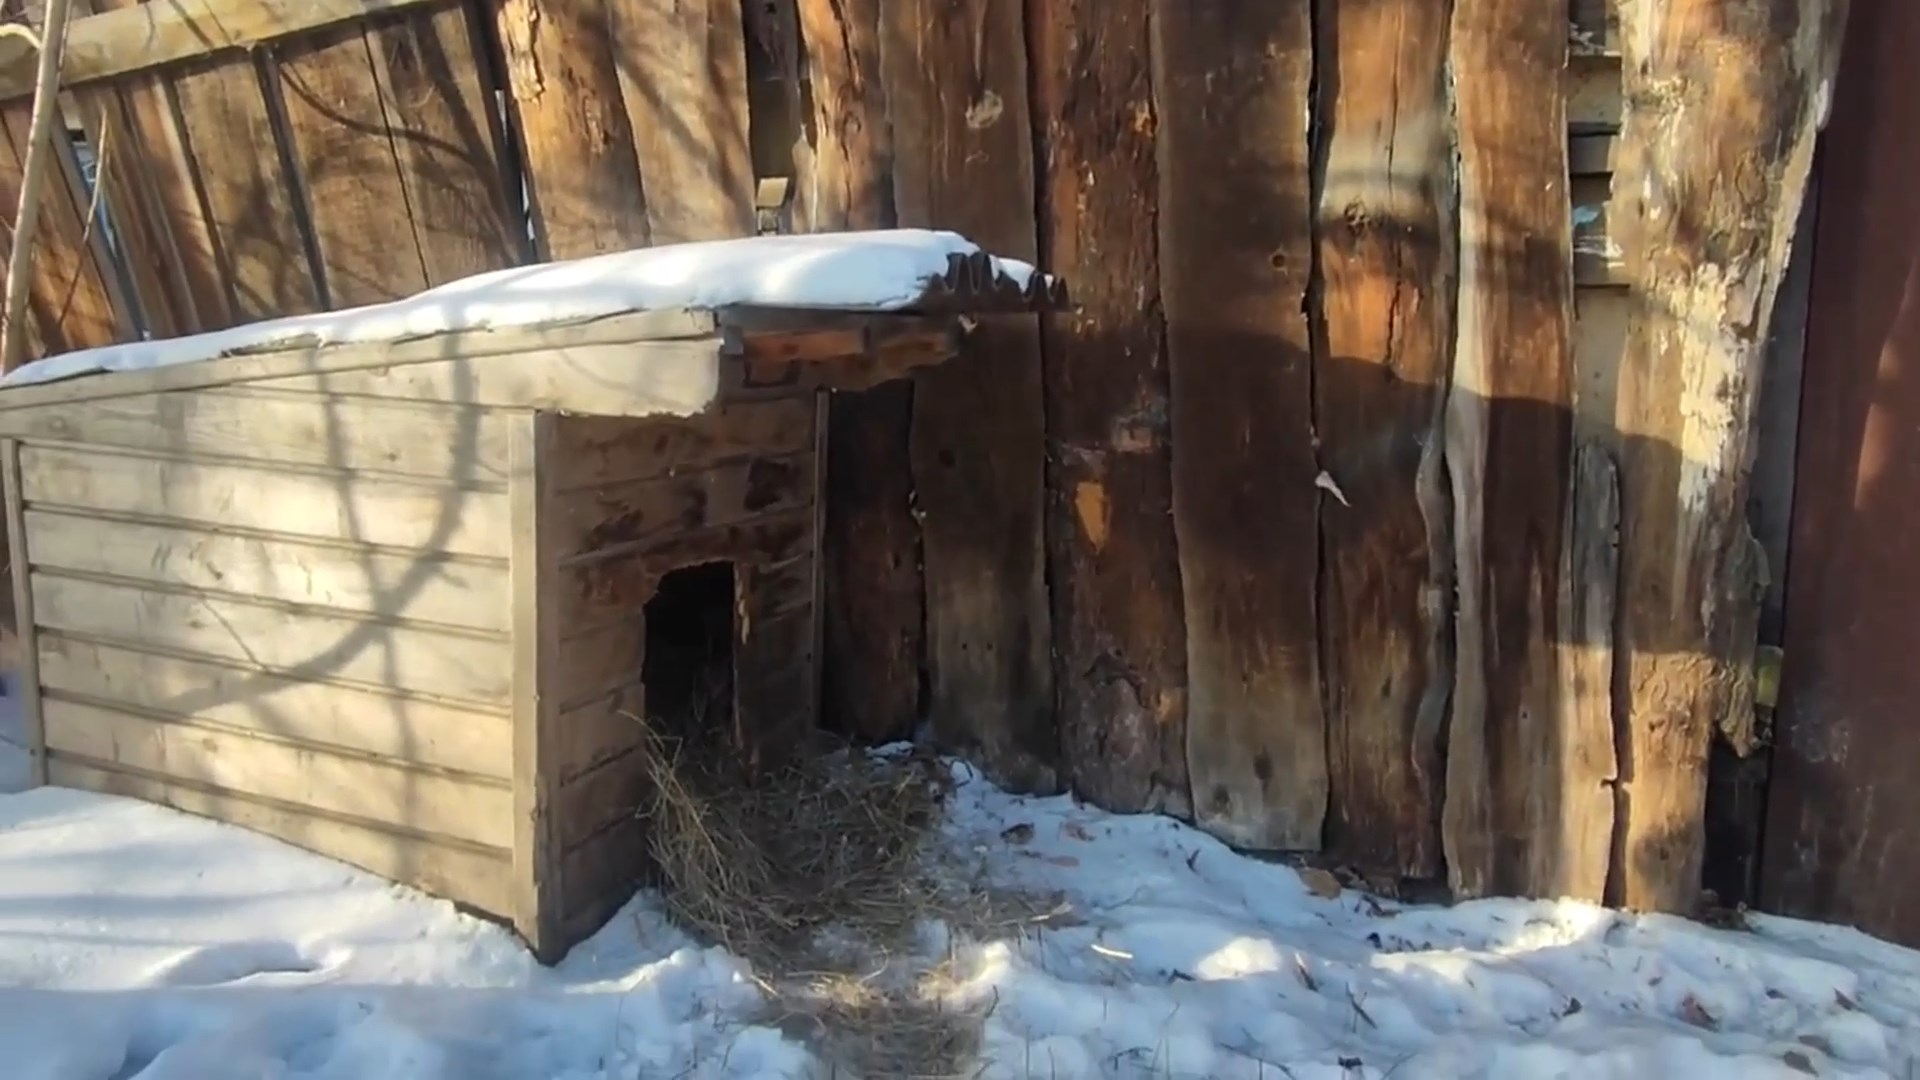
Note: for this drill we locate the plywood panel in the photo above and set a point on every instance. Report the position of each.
(964, 161)
(390, 584)
(1509, 445)
(454, 444)
(1236, 249)
(472, 875)
(1118, 624)
(373, 791)
(403, 729)
(305, 644)
(331, 507)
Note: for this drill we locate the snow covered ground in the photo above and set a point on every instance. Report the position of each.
(140, 943)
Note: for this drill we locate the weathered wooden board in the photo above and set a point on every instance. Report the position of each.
(415, 586)
(164, 33)
(414, 730)
(73, 301)
(438, 100)
(598, 661)
(26, 678)
(356, 203)
(252, 210)
(875, 618)
(302, 643)
(534, 662)
(628, 379)
(774, 698)
(594, 590)
(469, 874)
(583, 178)
(593, 450)
(1714, 90)
(1576, 793)
(605, 727)
(623, 517)
(1843, 808)
(1386, 232)
(586, 805)
(682, 68)
(964, 160)
(329, 507)
(374, 791)
(452, 444)
(1236, 253)
(1118, 636)
(1508, 442)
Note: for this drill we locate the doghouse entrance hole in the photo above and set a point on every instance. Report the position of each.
(688, 667)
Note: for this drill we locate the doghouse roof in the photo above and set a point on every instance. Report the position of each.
(530, 308)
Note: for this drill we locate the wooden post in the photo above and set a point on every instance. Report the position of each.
(1723, 102)
(1120, 665)
(46, 112)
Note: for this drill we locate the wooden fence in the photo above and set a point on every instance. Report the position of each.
(1303, 526)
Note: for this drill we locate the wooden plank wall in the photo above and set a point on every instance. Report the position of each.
(283, 609)
(1302, 526)
(630, 501)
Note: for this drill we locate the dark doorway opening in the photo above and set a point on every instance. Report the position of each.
(688, 667)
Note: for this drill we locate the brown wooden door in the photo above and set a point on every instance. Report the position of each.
(1843, 830)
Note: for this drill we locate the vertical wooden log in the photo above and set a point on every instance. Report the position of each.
(583, 177)
(956, 78)
(1119, 640)
(1723, 101)
(874, 623)
(1385, 228)
(1236, 252)
(1509, 439)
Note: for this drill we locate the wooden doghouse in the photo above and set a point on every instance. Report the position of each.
(389, 599)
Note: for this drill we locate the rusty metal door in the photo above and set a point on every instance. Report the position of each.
(1843, 827)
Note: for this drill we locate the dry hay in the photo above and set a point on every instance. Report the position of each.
(821, 876)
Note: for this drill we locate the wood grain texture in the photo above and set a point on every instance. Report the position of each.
(1577, 792)
(1235, 259)
(466, 873)
(73, 300)
(956, 78)
(1118, 621)
(454, 444)
(25, 680)
(1714, 90)
(251, 207)
(583, 176)
(349, 173)
(354, 719)
(1385, 223)
(534, 694)
(874, 644)
(682, 67)
(629, 516)
(310, 504)
(134, 38)
(464, 666)
(1509, 442)
(438, 102)
(594, 450)
(416, 586)
(374, 791)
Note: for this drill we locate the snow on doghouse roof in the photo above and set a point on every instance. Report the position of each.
(889, 270)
